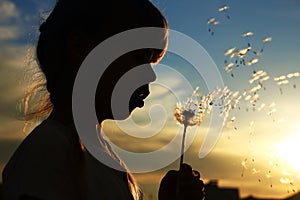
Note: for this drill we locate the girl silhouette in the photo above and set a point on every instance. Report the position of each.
(51, 163)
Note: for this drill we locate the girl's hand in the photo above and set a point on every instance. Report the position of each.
(184, 184)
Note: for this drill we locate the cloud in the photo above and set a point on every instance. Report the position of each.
(9, 33)
(8, 11)
(13, 58)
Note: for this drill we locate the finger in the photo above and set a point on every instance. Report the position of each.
(185, 167)
(196, 174)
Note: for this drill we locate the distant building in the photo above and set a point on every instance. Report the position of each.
(253, 198)
(292, 197)
(214, 192)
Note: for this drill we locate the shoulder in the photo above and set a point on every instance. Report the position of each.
(43, 161)
(45, 142)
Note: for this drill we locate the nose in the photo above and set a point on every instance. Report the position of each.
(149, 73)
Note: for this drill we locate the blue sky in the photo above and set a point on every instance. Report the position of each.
(278, 19)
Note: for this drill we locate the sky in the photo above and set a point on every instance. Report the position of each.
(256, 152)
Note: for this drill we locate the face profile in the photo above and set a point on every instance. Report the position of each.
(125, 84)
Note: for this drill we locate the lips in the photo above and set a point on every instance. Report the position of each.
(137, 98)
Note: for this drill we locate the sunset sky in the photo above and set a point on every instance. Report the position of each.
(257, 152)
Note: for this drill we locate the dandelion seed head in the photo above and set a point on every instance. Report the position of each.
(191, 112)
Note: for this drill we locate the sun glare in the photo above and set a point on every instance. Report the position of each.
(289, 150)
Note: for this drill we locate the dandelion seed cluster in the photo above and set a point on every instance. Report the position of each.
(192, 111)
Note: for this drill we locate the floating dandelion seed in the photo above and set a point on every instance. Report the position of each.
(228, 68)
(221, 9)
(268, 39)
(211, 23)
(283, 80)
(265, 40)
(243, 163)
(241, 53)
(258, 78)
(280, 78)
(291, 75)
(254, 89)
(247, 34)
(225, 100)
(211, 20)
(240, 56)
(216, 23)
(285, 181)
(229, 51)
(253, 61)
(247, 98)
(224, 9)
(255, 171)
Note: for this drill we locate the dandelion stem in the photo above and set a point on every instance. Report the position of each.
(182, 145)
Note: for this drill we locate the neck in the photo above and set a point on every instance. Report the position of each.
(65, 116)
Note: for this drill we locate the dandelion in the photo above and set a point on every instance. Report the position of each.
(190, 113)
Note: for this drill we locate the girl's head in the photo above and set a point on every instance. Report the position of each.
(75, 27)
